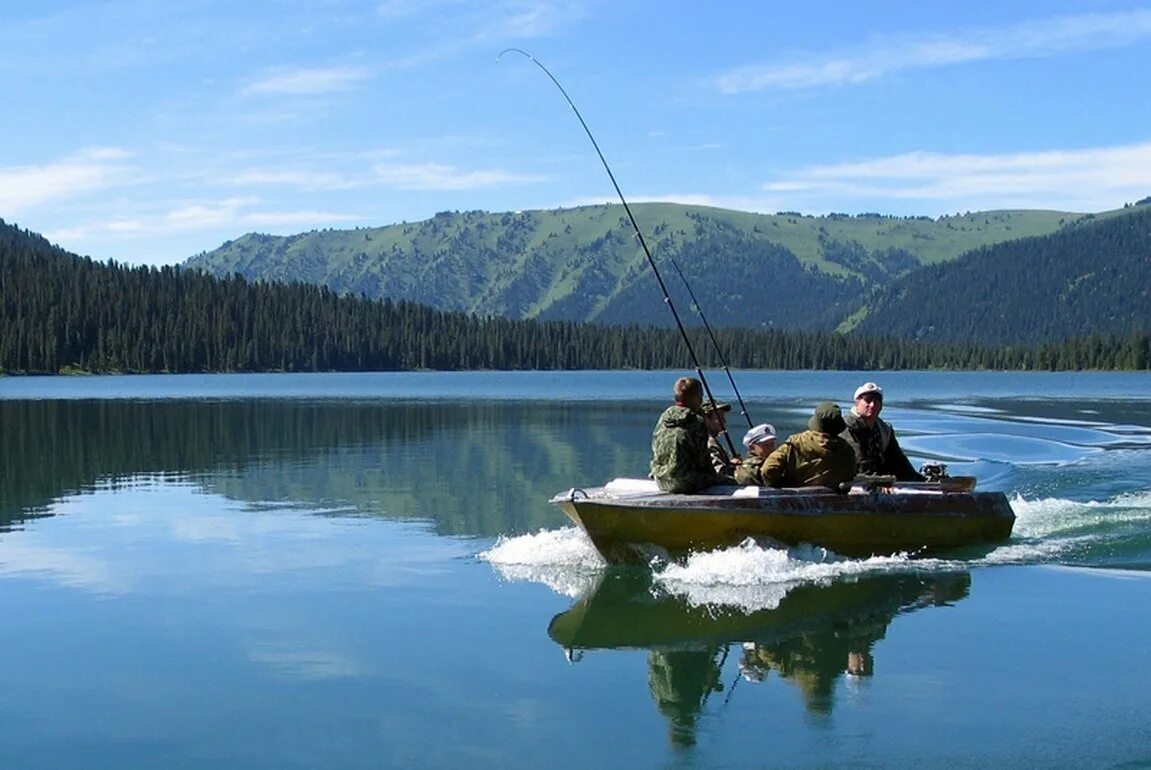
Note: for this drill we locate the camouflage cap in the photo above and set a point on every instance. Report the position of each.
(827, 419)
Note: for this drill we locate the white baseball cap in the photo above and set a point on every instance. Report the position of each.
(762, 432)
(868, 387)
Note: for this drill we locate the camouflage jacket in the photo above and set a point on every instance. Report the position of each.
(809, 459)
(748, 472)
(877, 451)
(720, 459)
(680, 459)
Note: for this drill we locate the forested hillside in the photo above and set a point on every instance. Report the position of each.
(64, 313)
(786, 271)
(1093, 277)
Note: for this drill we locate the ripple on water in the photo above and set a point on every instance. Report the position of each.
(1018, 450)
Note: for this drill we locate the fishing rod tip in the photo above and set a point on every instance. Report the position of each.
(513, 50)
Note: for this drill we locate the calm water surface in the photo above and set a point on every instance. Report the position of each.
(344, 571)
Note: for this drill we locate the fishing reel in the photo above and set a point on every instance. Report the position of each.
(933, 471)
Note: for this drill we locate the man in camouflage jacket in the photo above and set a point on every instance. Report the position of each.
(681, 461)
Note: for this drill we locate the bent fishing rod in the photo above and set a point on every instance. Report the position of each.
(714, 342)
(639, 235)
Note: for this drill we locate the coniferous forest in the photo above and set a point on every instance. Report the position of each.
(64, 313)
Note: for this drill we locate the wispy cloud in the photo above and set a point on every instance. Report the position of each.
(463, 25)
(436, 176)
(23, 187)
(235, 214)
(1048, 37)
(401, 176)
(506, 18)
(297, 178)
(307, 81)
(1091, 179)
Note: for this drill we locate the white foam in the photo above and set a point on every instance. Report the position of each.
(1047, 517)
(753, 577)
(562, 559)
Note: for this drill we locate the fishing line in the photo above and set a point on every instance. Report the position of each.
(642, 241)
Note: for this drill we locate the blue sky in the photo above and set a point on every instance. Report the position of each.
(147, 131)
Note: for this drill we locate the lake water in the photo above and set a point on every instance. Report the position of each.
(363, 571)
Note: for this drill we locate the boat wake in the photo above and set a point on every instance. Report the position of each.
(750, 576)
(755, 576)
(562, 559)
(1115, 532)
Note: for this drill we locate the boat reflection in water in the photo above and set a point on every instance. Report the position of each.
(810, 637)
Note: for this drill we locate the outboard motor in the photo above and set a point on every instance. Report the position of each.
(933, 471)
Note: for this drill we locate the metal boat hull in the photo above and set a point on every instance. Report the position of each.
(623, 527)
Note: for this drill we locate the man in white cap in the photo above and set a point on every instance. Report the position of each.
(873, 439)
(760, 442)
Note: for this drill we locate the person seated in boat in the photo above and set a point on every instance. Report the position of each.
(817, 457)
(760, 442)
(715, 416)
(681, 461)
(877, 450)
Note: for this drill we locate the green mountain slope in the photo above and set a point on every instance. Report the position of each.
(584, 264)
(1090, 278)
(64, 313)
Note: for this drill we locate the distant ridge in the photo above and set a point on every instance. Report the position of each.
(784, 271)
(1090, 278)
(70, 314)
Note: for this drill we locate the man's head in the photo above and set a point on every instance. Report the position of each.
(715, 416)
(827, 419)
(688, 392)
(868, 400)
(760, 440)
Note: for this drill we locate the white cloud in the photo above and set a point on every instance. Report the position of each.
(436, 176)
(507, 18)
(463, 25)
(298, 220)
(235, 214)
(308, 82)
(378, 173)
(23, 187)
(1086, 180)
(1033, 39)
(533, 20)
(304, 180)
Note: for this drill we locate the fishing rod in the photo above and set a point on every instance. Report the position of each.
(714, 343)
(635, 226)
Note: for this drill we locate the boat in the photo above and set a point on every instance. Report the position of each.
(627, 519)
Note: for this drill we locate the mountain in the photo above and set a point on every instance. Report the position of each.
(65, 313)
(1091, 277)
(785, 271)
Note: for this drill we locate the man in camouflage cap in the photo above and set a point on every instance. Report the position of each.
(681, 460)
(817, 457)
(715, 418)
